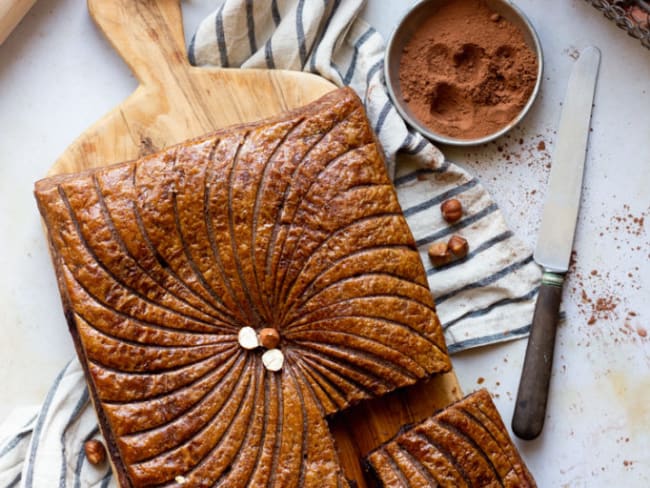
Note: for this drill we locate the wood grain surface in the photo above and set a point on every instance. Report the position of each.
(175, 102)
(11, 13)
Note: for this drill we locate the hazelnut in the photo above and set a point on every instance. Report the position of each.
(452, 210)
(248, 338)
(458, 246)
(269, 338)
(439, 254)
(273, 359)
(95, 451)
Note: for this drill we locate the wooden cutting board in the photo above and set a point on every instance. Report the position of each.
(175, 102)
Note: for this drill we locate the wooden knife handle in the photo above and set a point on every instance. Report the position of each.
(530, 408)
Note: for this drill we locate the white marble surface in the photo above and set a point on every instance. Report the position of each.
(57, 76)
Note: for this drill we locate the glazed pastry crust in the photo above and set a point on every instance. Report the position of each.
(290, 223)
(464, 445)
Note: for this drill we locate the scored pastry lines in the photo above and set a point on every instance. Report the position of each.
(299, 213)
(155, 192)
(204, 404)
(465, 444)
(263, 183)
(256, 318)
(357, 227)
(281, 217)
(89, 257)
(349, 157)
(110, 221)
(209, 225)
(256, 341)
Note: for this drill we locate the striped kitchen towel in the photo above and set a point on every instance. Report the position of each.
(483, 299)
(44, 448)
(486, 298)
(324, 37)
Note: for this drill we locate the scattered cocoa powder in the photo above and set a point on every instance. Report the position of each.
(606, 304)
(465, 72)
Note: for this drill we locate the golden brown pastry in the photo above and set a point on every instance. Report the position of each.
(289, 224)
(464, 445)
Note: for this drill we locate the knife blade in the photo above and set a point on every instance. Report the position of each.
(555, 242)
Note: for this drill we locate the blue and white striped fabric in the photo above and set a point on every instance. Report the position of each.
(489, 296)
(44, 448)
(324, 37)
(486, 298)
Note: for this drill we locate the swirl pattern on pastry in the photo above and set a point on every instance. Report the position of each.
(290, 223)
(465, 445)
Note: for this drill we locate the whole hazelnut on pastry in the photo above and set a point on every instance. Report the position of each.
(269, 338)
(452, 210)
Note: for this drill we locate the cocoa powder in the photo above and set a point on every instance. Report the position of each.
(467, 72)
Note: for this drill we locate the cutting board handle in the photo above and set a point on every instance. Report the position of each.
(148, 35)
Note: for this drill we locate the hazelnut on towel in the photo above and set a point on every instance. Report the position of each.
(452, 210)
(95, 451)
(458, 246)
(439, 254)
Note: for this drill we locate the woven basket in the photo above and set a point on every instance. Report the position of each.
(632, 16)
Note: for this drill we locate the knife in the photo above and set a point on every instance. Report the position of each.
(555, 242)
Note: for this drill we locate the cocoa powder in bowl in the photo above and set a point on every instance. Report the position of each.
(466, 72)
